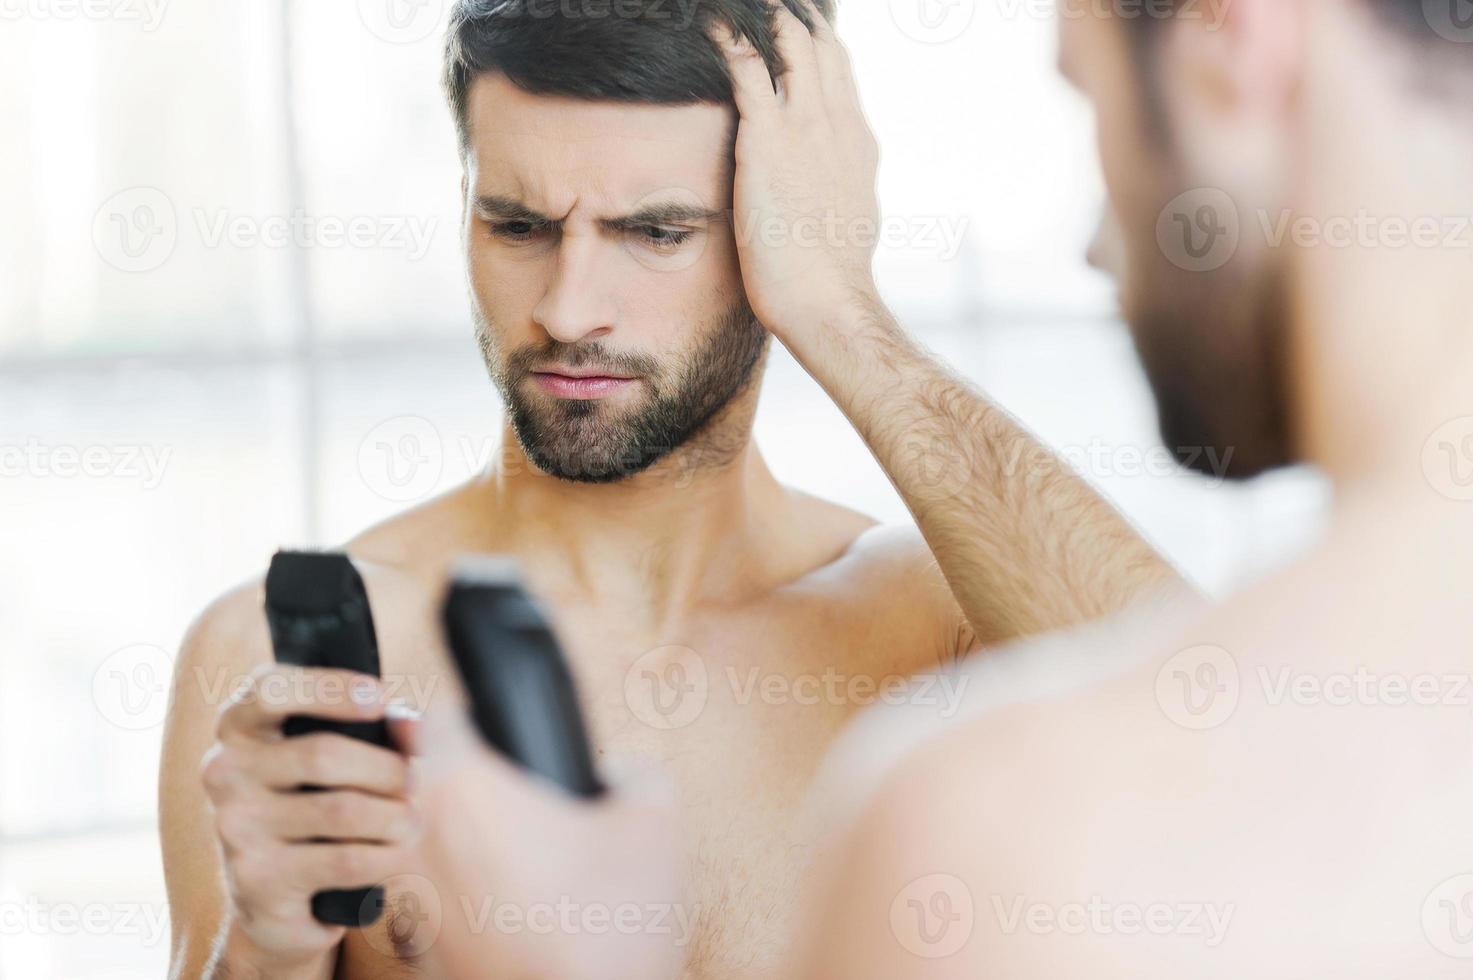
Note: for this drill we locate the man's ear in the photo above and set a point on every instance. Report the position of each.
(1230, 74)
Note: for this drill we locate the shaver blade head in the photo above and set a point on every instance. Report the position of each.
(308, 582)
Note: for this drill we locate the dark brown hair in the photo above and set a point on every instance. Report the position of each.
(653, 51)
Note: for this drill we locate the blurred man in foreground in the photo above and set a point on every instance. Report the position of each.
(1280, 786)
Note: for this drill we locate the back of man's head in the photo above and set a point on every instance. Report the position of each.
(638, 51)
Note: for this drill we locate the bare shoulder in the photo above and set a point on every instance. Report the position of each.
(830, 529)
(864, 553)
(1127, 826)
(894, 551)
(1030, 843)
(892, 567)
(405, 562)
(390, 556)
(887, 575)
(230, 633)
(232, 630)
(914, 876)
(230, 638)
(888, 551)
(1058, 790)
(423, 539)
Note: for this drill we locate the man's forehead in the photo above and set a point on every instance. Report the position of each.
(527, 144)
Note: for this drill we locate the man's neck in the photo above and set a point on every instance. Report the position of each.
(697, 526)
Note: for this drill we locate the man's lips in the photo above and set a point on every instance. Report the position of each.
(580, 386)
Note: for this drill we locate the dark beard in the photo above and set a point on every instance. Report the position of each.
(1214, 344)
(577, 442)
(1213, 348)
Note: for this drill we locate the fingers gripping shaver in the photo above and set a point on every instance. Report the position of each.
(319, 616)
(521, 692)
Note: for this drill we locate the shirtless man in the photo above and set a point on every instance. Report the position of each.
(1280, 786)
(607, 287)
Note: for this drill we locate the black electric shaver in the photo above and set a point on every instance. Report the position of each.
(319, 617)
(521, 692)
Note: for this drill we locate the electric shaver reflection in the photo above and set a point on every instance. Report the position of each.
(521, 692)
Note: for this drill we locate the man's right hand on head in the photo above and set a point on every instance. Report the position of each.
(281, 845)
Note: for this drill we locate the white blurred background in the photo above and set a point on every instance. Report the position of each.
(182, 390)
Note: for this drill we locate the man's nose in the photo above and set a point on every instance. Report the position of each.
(577, 304)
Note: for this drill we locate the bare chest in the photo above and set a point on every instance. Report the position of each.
(738, 710)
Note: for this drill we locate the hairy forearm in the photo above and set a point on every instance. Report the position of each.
(1025, 544)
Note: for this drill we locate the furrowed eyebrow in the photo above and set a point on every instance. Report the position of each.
(506, 209)
(663, 214)
(498, 208)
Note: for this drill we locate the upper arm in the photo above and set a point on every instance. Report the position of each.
(224, 645)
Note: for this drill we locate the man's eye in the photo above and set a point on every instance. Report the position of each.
(664, 239)
(515, 231)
